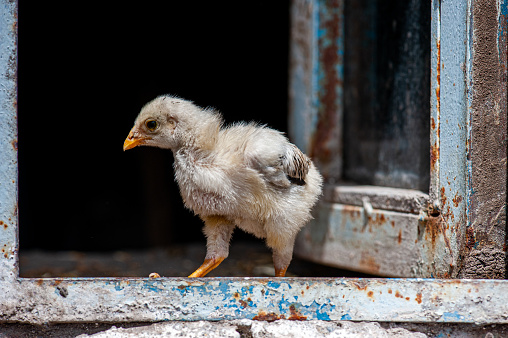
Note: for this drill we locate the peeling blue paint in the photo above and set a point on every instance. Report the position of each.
(345, 317)
(453, 317)
(152, 286)
(273, 284)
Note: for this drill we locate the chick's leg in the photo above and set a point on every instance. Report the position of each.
(282, 249)
(218, 231)
(281, 260)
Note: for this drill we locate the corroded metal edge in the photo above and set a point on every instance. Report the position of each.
(122, 299)
(449, 128)
(399, 244)
(393, 199)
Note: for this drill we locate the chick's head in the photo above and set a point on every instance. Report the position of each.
(169, 123)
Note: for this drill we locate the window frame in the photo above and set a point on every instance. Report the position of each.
(57, 300)
(384, 231)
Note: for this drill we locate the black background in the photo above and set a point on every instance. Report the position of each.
(86, 69)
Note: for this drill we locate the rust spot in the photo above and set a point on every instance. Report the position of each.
(380, 219)
(418, 298)
(57, 282)
(352, 212)
(324, 147)
(456, 200)
(14, 144)
(432, 123)
(398, 295)
(307, 287)
(434, 155)
(368, 263)
(269, 317)
(302, 293)
(181, 287)
(470, 238)
(243, 303)
(393, 224)
(295, 315)
(390, 291)
(39, 282)
(236, 295)
(443, 196)
(361, 285)
(263, 292)
(370, 294)
(399, 240)
(432, 230)
(407, 298)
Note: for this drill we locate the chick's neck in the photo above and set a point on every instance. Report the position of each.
(202, 142)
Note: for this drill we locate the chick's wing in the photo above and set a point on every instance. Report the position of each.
(280, 163)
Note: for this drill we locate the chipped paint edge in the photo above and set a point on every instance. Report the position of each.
(47, 301)
(8, 141)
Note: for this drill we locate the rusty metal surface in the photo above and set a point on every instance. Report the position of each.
(393, 199)
(316, 82)
(484, 252)
(378, 242)
(8, 140)
(340, 233)
(119, 300)
(302, 113)
(441, 216)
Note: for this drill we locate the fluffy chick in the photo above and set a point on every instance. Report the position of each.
(242, 175)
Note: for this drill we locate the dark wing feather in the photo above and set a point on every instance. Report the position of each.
(295, 164)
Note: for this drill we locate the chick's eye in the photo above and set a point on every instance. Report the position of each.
(151, 125)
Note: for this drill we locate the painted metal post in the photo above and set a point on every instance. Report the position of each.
(449, 136)
(484, 250)
(8, 141)
(316, 96)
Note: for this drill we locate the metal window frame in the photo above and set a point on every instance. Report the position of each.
(381, 231)
(52, 300)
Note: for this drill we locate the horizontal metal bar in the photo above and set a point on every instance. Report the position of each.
(379, 242)
(120, 300)
(394, 199)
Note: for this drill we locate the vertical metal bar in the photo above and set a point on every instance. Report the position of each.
(449, 134)
(435, 104)
(327, 142)
(301, 87)
(316, 82)
(487, 144)
(8, 141)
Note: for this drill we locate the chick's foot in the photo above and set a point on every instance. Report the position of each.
(208, 265)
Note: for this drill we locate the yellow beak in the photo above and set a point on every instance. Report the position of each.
(133, 141)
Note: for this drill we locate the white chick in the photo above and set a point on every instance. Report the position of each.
(244, 175)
